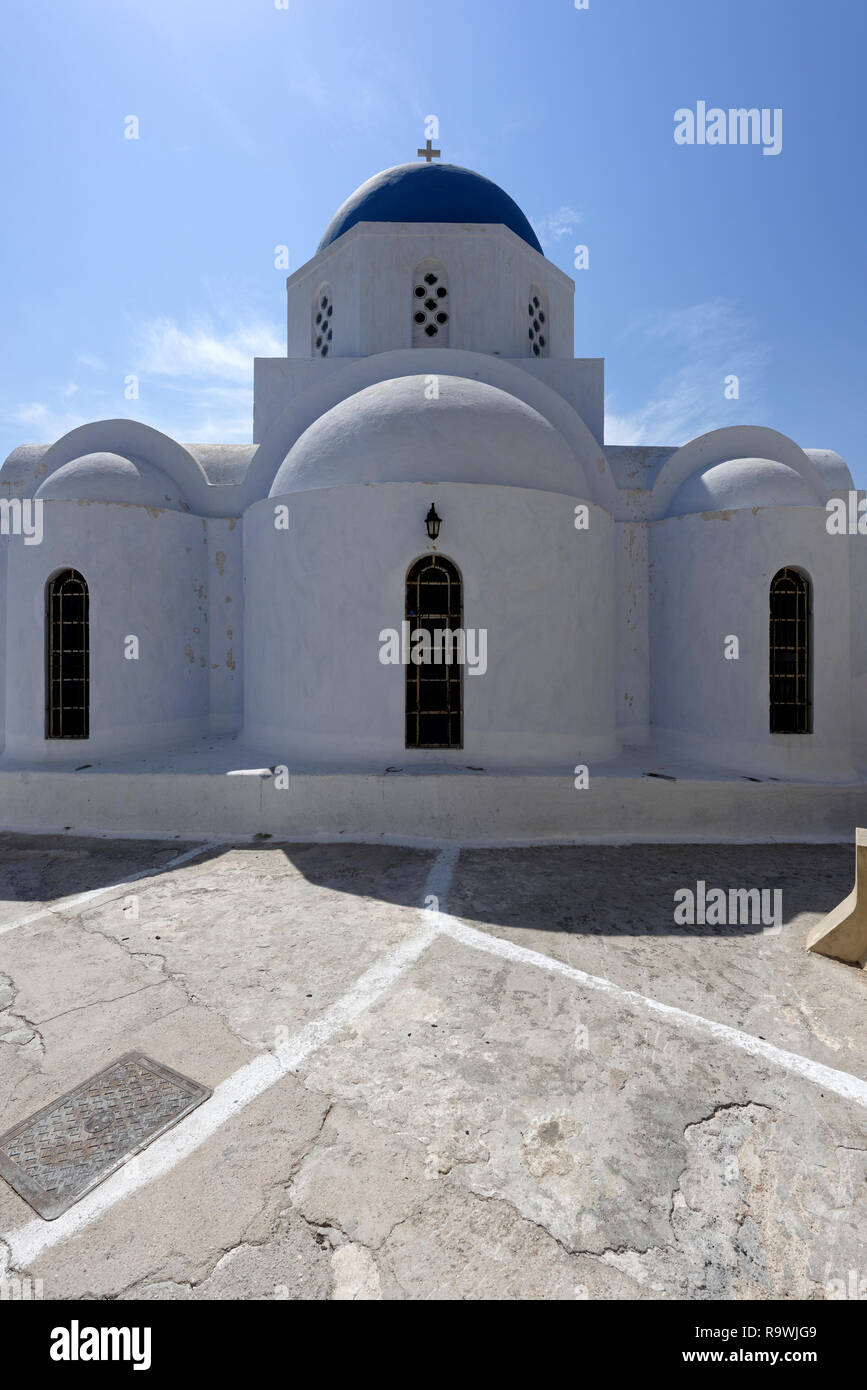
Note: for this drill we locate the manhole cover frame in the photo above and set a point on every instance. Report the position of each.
(50, 1207)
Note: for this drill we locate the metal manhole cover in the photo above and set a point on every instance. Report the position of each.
(70, 1146)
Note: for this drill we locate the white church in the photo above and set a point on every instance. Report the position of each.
(661, 642)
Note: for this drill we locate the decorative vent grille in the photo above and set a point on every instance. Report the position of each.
(538, 314)
(323, 327)
(430, 306)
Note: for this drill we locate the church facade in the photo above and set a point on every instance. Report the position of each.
(221, 639)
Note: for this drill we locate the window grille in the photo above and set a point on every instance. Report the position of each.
(434, 691)
(67, 641)
(790, 696)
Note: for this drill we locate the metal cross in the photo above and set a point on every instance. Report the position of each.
(429, 153)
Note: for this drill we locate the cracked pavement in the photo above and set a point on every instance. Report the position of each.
(476, 1125)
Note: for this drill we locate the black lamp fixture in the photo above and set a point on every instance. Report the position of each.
(433, 522)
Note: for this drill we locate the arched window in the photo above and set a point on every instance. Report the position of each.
(434, 688)
(322, 326)
(67, 656)
(537, 309)
(790, 695)
(430, 305)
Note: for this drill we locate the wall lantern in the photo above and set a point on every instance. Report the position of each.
(433, 523)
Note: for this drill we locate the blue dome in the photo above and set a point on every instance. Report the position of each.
(430, 193)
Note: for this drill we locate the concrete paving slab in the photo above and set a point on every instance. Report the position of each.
(698, 1171)
(37, 870)
(469, 1125)
(270, 937)
(227, 1195)
(403, 1230)
(609, 910)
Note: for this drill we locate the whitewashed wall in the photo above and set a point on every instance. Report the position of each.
(225, 601)
(631, 636)
(857, 546)
(319, 594)
(709, 578)
(147, 575)
(370, 271)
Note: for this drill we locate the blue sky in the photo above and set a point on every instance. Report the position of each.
(156, 256)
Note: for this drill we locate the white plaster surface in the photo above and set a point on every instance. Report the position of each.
(601, 641)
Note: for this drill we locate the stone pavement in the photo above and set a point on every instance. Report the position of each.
(486, 1074)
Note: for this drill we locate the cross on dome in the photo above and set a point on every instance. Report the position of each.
(429, 153)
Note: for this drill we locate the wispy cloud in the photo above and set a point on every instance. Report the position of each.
(164, 348)
(215, 414)
(208, 372)
(555, 225)
(710, 342)
(195, 383)
(42, 422)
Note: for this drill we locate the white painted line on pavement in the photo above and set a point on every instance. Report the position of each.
(61, 905)
(27, 1243)
(842, 1083)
